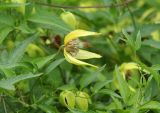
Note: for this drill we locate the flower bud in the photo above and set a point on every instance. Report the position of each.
(34, 50)
(82, 100)
(67, 98)
(69, 19)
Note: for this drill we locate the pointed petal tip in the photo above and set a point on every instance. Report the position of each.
(75, 61)
(83, 54)
(78, 33)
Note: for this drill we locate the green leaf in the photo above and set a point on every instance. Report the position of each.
(4, 32)
(147, 29)
(67, 87)
(91, 77)
(123, 86)
(17, 54)
(51, 20)
(129, 39)
(154, 3)
(151, 71)
(156, 67)
(152, 43)
(8, 72)
(8, 84)
(12, 5)
(138, 41)
(53, 65)
(100, 85)
(19, 64)
(24, 28)
(48, 108)
(6, 19)
(109, 92)
(75, 111)
(41, 62)
(151, 105)
(117, 103)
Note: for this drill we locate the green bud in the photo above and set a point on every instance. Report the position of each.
(69, 19)
(82, 100)
(34, 50)
(67, 98)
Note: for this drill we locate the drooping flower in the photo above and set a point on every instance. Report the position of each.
(73, 53)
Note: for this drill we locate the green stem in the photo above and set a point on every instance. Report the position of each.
(4, 105)
(132, 17)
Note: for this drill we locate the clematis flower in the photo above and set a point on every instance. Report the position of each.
(72, 51)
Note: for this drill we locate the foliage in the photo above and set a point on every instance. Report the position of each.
(35, 76)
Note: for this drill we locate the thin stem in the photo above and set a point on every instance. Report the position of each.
(62, 74)
(131, 14)
(60, 48)
(4, 105)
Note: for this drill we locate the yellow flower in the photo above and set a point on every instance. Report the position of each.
(73, 53)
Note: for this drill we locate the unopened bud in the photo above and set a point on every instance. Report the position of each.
(67, 98)
(82, 100)
(69, 19)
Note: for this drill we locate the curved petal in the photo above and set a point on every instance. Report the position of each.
(77, 33)
(73, 60)
(83, 54)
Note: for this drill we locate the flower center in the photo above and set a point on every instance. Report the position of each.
(72, 47)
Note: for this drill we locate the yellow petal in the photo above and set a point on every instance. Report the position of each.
(78, 33)
(73, 60)
(83, 54)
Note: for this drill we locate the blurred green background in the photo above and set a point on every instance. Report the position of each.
(36, 78)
